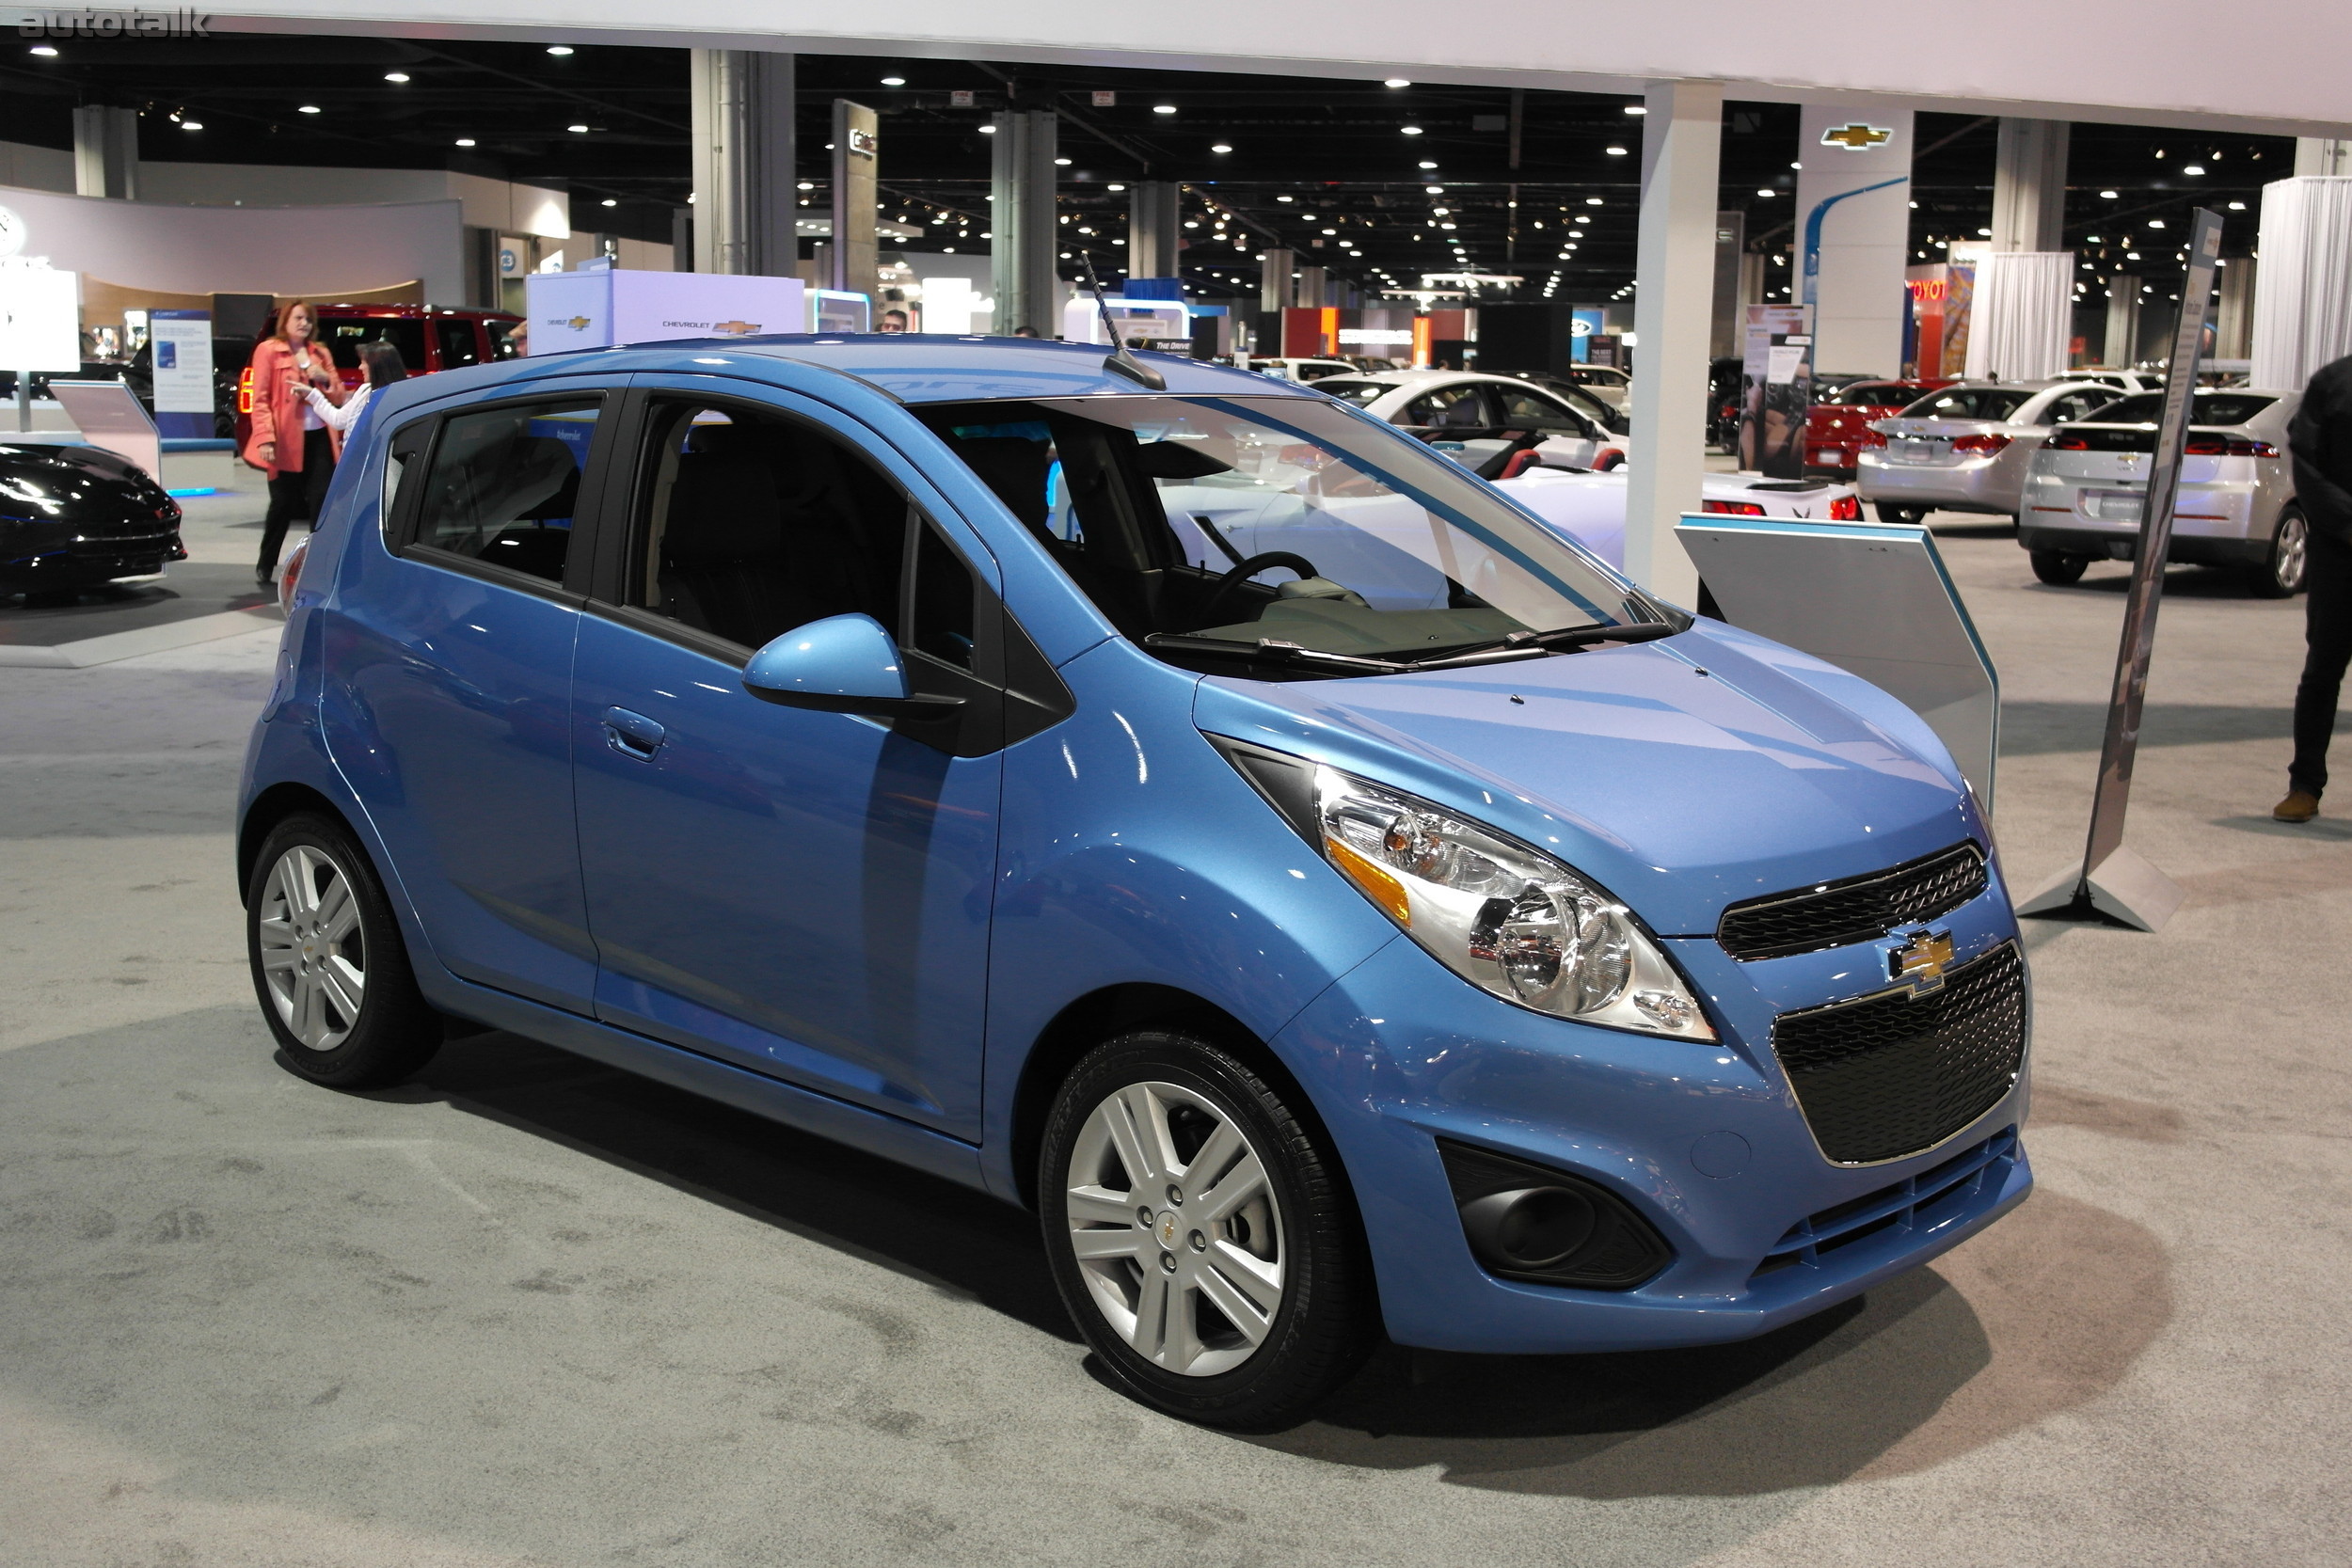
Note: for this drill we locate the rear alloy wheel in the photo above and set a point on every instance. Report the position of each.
(2057, 568)
(329, 965)
(1202, 1242)
(2280, 577)
(1906, 516)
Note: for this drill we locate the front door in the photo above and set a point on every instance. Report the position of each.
(803, 894)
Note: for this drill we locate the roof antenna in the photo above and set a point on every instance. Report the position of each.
(1120, 361)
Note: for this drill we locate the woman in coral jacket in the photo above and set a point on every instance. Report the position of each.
(289, 440)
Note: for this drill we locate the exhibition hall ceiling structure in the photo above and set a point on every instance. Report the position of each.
(1378, 180)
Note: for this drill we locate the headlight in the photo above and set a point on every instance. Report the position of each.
(1505, 917)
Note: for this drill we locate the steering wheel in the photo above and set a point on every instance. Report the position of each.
(1227, 585)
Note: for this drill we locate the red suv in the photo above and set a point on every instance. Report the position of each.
(429, 337)
(1838, 427)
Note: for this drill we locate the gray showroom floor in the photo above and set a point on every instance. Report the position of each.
(529, 1312)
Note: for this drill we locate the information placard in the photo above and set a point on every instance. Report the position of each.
(181, 350)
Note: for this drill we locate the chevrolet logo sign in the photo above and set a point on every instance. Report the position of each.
(578, 324)
(734, 330)
(1922, 960)
(1857, 137)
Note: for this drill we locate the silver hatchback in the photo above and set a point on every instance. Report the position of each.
(2237, 506)
(1966, 448)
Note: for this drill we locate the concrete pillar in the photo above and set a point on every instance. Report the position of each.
(1274, 285)
(2322, 155)
(741, 116)
(1682, 139)
(1853, 231)
(1313, 285)
(1020, 217)
(2029, 185)
(106, 151)
(1154, 229)
(855, 160)
(2123, 320)
(2234, 318)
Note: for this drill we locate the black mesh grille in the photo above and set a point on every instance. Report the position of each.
(1860, 909)
(1896, 1074)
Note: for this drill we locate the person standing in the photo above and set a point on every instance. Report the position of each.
(2320, 439)
(384, 365)
(289, 440)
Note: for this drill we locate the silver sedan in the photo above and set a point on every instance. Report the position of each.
(2237, 506)
(1966, 448)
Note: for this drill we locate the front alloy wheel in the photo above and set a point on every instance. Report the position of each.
(1203, 1241)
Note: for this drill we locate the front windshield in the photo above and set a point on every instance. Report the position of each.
(1869, 394)
(1282, 519)
(1354, 391)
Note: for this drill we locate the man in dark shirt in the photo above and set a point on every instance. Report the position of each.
(2320, 438)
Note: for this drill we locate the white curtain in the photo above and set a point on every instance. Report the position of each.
(2024, 315)
(2303, 290)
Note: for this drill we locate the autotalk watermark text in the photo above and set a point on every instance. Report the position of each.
(186, 23)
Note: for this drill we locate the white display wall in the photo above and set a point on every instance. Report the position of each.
(2303, 290)
(2023, 316)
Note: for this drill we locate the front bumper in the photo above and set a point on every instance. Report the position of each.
(1419, 1055)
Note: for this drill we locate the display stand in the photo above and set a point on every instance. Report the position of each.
(2113, 883)
(110, 418)
(1870, 598)
(602, 307)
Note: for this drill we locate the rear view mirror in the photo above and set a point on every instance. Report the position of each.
(841, 664)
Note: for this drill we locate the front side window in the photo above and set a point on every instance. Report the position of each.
(1535, 411)
(1243, 520)
(505, 483)
(1462, 405)
(345, 336)
(750, 523)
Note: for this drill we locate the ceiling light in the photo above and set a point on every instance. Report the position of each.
(610, 202)
(2237, 206)
(576, 130)
(2107, 195)
(807, 186)
(1767, 193)
(468, 141)
(1285, 198)
(307, 109)
(2192, 168)
(191, 125)
(894, 81)
(395, 77)
(1614, 152)
(2153, 223)
(1592, 201)
(45, 52)
(1985, 233)
(1061, 163)
(559, 48)
(1410, 130)
(1396, 82)
(987, 130)
(1115, 187)
(1426, 164)
(1222, 147)
(1162, 108)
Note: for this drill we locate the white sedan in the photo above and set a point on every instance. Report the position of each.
(1459, 411)
(1589, 508)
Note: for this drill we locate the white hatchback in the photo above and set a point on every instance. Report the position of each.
(2089, 484)
(1487, 415)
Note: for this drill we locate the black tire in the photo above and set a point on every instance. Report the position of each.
(2057, 568)
(1905, 516)
(1323, 1324)
(2283, 570)
(380, 1034)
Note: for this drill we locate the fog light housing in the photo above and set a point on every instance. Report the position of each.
(1525, 1220)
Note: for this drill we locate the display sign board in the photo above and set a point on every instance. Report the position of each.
(1145, 323)
(1870, 598)
(1776, 388)
(182, 353)
(606, 307)
(836, 311)
(40, 319)
(110, 418)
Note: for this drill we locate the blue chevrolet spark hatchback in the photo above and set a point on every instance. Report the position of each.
(1197, 812)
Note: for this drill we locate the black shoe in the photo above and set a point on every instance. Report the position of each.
(261, 575)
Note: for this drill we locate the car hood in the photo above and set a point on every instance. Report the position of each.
(1684, 775)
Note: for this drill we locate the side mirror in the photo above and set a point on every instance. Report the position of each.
(841, 664)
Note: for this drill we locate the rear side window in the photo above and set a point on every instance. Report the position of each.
(1866, 394)
(457, 345)
(504, 484)
(1461, 406)
(344, 336)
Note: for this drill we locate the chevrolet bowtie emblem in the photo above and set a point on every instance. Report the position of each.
(578, 324)
(1922, 960)
(734, 330)
(1857, 137)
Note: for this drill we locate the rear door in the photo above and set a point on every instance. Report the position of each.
(450, 683)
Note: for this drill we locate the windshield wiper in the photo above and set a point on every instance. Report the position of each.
(1268, 649)
(1550, 641)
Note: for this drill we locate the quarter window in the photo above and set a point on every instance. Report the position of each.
(505, 483)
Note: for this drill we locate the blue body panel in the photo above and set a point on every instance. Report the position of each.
(804, 914)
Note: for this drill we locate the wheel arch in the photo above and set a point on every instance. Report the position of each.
(269, 808)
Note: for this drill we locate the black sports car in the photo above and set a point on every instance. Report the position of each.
(74, 516)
